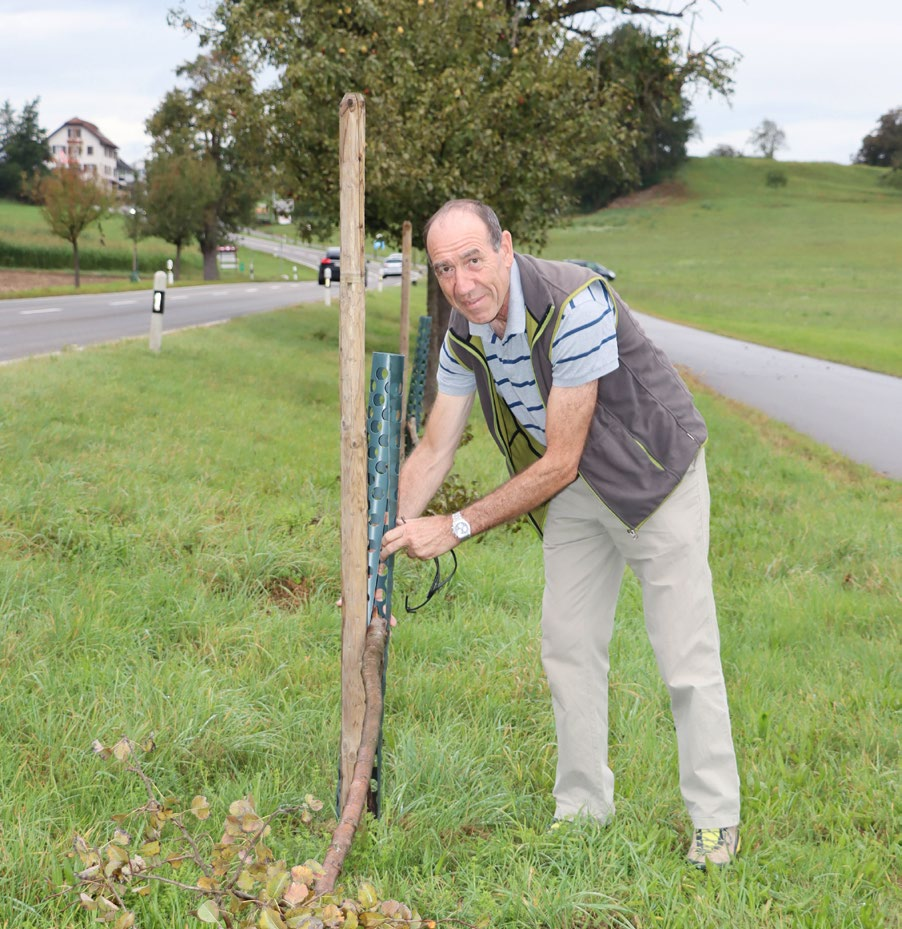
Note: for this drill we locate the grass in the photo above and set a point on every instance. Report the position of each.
(169, 563)
(811, 267)
(23, 225)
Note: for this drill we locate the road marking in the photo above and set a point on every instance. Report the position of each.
(252, 290)
(50, 309)
(121, 302)
(178, 296)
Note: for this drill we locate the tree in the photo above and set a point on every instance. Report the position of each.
(767, 138)
(24, 151)
(883, 147)
(70, 203)
(215, 122)
(724, 151)
(176, 193)
(484, 98)
(652, 77)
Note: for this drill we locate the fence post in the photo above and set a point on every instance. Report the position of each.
(354, 617)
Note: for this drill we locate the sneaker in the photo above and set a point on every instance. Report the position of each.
(714, 846)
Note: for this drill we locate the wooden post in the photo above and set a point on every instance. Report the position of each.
(352, 295)
(406, 270)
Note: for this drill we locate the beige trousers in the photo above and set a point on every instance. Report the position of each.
(586, 549)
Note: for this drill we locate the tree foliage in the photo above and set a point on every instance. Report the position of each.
(652, 77)
(24, 151)
(178, 191)
(481, 98)
(215, 122)
(883, 147)
(70, 203)
(767, 138)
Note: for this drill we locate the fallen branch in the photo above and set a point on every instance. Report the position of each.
(352, 814)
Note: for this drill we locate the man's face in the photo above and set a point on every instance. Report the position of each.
(473, 276)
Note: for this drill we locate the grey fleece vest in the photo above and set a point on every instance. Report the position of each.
(646, 430)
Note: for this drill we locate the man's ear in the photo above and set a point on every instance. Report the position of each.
(507, 248)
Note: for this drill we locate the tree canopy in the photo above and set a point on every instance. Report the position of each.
(71, 202)
(767, 137)
(215, 123)
(24, 151)
(883, 146)
(485, 98)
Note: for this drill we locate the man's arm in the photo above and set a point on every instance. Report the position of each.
(568, 417)
(429, 463)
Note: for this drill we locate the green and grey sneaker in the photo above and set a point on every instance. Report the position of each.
(714, 846)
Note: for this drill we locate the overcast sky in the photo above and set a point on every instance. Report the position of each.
(823, 70)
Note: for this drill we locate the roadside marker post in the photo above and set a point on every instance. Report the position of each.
(170, 277)
(327, 275)
(156, 316)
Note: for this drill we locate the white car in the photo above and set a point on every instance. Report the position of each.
(391, 267)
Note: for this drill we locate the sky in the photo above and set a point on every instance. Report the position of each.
(823, 70)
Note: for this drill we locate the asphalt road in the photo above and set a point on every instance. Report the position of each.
(41, 325)
(853, 411)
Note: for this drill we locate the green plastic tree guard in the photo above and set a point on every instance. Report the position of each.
(383, 464)
(417, 387)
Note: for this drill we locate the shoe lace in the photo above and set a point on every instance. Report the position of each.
(707, 840)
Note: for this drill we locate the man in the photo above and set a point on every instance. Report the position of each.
(606, 451)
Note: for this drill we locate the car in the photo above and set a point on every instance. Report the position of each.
(391, 267)
(332, 261)
(600, 270)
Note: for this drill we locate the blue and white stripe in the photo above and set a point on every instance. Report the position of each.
(584, 349)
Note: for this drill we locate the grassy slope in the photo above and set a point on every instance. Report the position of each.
(812, 267)
(154, 508)
(24, 224)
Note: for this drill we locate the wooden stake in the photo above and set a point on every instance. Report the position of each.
(352, 325)
(406, 270)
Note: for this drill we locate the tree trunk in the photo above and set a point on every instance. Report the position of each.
(178, 261)
(75, 263)
(439, 310)
(211, 268)
(371, 672)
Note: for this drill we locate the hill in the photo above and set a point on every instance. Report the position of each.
(810, 267)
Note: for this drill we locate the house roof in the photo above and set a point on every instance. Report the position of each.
(75, 121)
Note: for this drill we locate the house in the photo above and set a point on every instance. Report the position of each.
(78, 141)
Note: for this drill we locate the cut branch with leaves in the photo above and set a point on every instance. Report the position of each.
(239, 882)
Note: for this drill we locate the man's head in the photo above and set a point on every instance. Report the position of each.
(472, 259)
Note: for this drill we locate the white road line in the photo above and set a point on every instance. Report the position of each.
(121, 302)
(49, 309)
(176, 297)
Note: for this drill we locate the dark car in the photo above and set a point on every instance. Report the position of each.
(601, 270)
(332, 261)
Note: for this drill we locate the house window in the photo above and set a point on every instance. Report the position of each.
(74, 133)
(90, 149)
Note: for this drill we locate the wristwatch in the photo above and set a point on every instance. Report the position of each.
(459, 526)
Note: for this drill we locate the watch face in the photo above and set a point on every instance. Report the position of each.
(460, 527)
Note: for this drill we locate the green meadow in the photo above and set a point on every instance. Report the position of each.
(810, 267)
(107, 252)
(170, 564)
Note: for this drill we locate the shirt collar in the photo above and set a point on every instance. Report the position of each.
(516, 312)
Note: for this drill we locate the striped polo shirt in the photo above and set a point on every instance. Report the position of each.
(584, 349)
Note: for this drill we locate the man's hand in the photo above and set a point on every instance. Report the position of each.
(424, 538)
